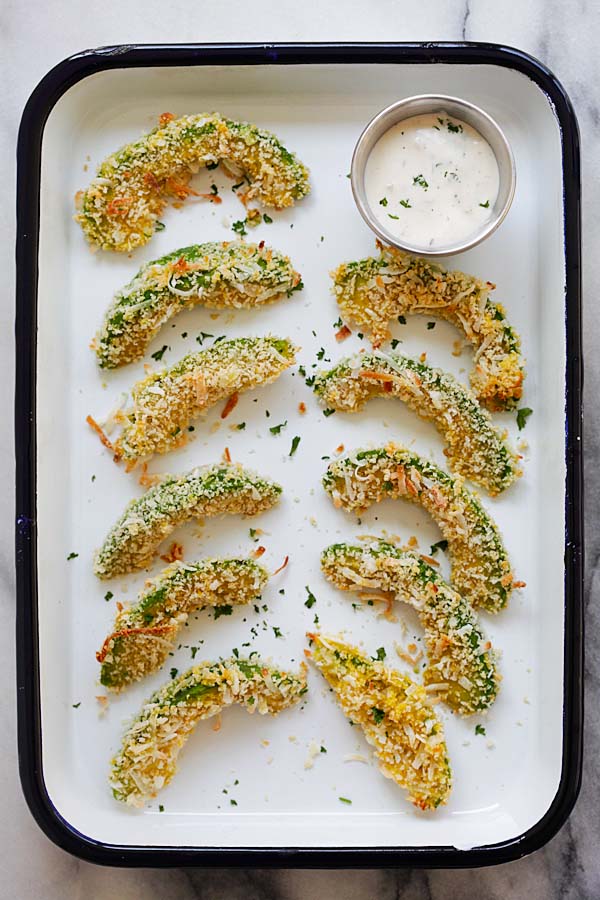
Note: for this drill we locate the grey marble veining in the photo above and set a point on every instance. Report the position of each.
(34, 35)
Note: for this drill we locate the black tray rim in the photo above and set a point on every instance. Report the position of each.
(40, 104)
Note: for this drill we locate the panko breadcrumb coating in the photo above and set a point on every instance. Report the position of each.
(373, 291)
(205, 491)
(144, 634)
(121, 207)
(166, 403)
(396, 716)
(480, 567)
(147, 759)
(461, 667)
(229, 274)
(475, 448)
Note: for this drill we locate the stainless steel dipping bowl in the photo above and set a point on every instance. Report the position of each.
(467, 112)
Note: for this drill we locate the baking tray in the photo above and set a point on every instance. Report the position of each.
(513, 788)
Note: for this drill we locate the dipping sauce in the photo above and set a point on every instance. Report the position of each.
(432, 180)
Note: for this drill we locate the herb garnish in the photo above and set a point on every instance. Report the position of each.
(159, 353)
(311, 599)
(225, 610)
(522, 416)
(295, 442)
(440, 545)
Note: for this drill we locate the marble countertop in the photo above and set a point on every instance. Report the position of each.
(33, 37)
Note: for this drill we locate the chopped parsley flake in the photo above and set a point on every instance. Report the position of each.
(240, 426)
(239, 227)
(267, 219)
(311, 599)
(380, 654)
(160, 226)
(402, 320)
(455, 129)
(479, 729)
(277, 631)
(345, 800)
(328, 412)
(225, 610)
(202, 336)
(383, 201)
(159, 353)
(440, 545)
(108, 596)
(390, 216)
(295, 442)
(395, 342)
(405, 204)
(522, 416)
(72, 555)
(430, 325)
(378, 714)
(173, 672)
(76, 705)
(161, 807)
(276, 429)
(486, 204)
(323, 749)
(418, 179)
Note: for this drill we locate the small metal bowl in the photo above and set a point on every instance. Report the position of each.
(459, 109)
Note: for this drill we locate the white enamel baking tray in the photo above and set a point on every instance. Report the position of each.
(514, 786)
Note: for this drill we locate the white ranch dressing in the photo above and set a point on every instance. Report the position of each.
(432, 180)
